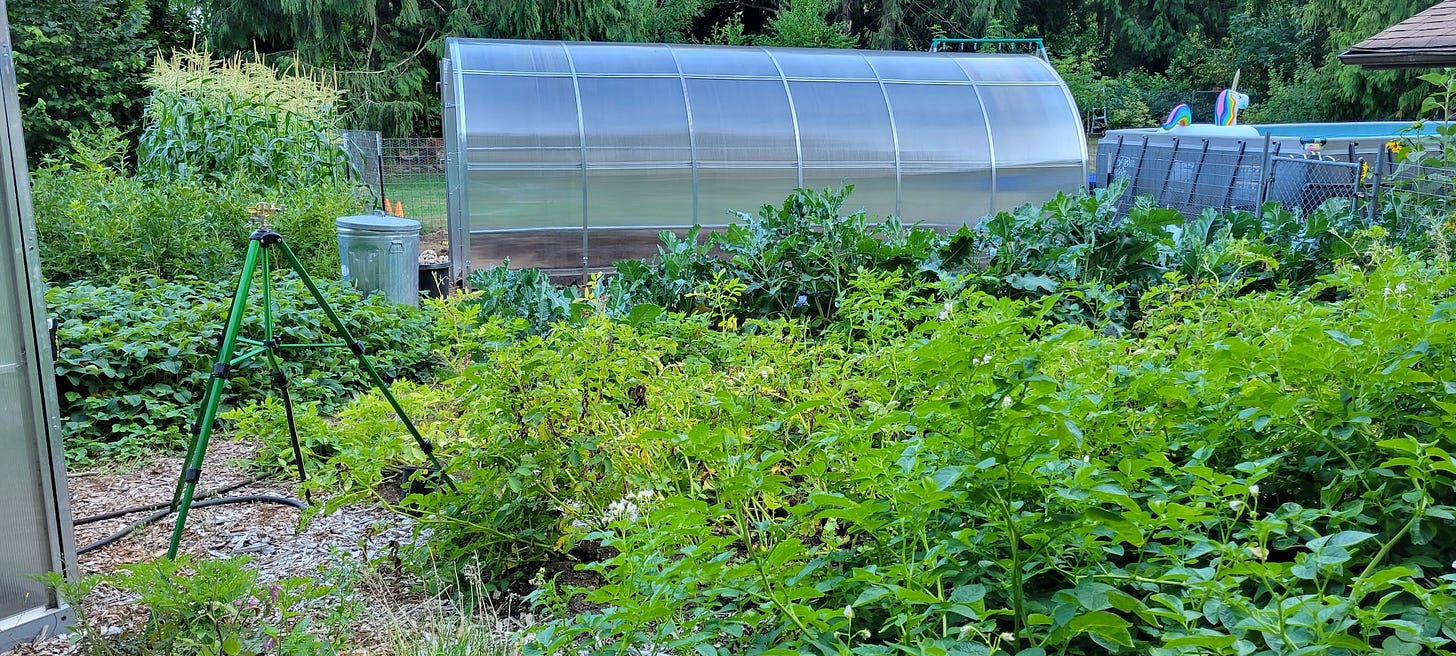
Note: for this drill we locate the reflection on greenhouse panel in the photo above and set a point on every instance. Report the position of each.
(564, 151)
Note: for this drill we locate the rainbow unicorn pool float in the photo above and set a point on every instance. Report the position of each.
(1225, 117)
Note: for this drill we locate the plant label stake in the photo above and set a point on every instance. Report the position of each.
(259, 258)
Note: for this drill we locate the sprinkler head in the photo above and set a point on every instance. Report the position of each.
(262, 212)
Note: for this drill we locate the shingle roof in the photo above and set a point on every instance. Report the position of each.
(1425, 40)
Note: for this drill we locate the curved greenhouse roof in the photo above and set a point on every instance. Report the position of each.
(556, 150)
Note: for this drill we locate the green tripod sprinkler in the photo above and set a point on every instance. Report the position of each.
(261, 246)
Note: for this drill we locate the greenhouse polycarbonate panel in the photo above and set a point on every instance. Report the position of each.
(35, 524)
(1027, 126)
(506, 199)
(25, 543)
(843, 124)
(724, 61)
(723, 137)
(1008, 68)
(622, 59)
(1036, 150)
(512, 57)
(912, 67)
(523, 112)
(1017, 186)
(652, 198)
(723, 191)
(874, 188)
(941, 199)
(940, 125)
(635, 122)
(817, 64)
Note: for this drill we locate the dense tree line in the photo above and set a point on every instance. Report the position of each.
(81, 61)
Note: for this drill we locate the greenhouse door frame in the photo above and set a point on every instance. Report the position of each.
(39, 496)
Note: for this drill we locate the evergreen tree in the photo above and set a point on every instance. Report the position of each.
(387, 52)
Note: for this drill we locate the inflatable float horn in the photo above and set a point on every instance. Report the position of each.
(1181, 116)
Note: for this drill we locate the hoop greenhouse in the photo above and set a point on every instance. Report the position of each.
(559, 154)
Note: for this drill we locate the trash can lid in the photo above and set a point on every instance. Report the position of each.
(378, 223)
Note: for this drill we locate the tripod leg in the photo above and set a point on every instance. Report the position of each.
(364, 362)
(193, 468)
(196, 428)
(280, 379)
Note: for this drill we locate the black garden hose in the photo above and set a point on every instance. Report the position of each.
(163, 504)
(164, 508)
(260, 498)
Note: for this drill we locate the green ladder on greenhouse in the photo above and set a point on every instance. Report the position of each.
(261, 244)
(1028, 46)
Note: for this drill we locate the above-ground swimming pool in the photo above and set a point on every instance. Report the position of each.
(1385, 129)
(1299, 164)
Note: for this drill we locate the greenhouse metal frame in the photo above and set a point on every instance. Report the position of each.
(558, 154)
(34, 510)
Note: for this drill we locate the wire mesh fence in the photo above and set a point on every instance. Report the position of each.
(1436, 184)
(1308, 182)
(414, 177)
(1194, 174)
(362, 149)
(407, 173)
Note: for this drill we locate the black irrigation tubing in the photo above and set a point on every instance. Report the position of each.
(252, 498)
(163, 504)
(164, 508)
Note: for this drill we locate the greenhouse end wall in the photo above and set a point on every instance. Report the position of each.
(560, 154)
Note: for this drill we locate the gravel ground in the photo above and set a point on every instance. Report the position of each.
(270, 534)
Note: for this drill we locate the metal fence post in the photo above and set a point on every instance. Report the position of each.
(1375, 181)
(1168, 174)
(1266, 174)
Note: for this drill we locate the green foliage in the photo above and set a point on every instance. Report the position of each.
(96, 223)
(1243, 474)
(135, 355)
(387, 54)
(793, 260)
(79, 64)
(209, 607)
(525, 295)
(1416, 207)
(802, 23)
(236, 119)
(1100, 264)
(365, 432)
(1354, 91)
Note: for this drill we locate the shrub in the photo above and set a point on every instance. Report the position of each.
(135, 355)
(236, 119)
(94, 222)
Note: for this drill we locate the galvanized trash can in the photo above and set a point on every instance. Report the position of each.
(379, 253)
